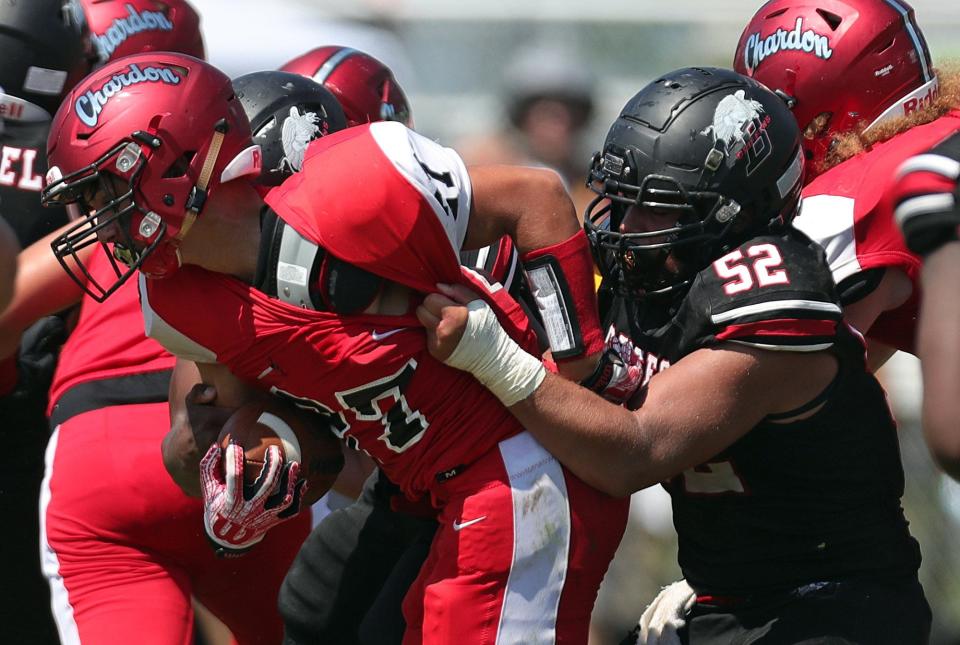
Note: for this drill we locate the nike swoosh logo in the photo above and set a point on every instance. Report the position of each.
(457, 525)
(378, 336)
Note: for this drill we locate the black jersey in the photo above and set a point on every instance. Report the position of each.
(788, 503)
(23, 164)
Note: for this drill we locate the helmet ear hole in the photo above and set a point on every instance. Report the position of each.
(180, 166)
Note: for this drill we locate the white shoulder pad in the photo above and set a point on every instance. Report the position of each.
(828, 220)
(172, 340)
(438, 173)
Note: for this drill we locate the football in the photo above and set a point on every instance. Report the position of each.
(301, 436)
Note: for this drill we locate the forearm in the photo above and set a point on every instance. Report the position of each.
(197, 415)
(938, 344)
(601, 443)
(42, 288)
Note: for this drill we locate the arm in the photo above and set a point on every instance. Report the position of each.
(938, 345)
(894, 289)
(691, 412)
(202, 398)
(42, 288)
(528, 204)
(9, 248)
(531, 206)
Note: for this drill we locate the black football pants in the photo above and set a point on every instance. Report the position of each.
(347, 582)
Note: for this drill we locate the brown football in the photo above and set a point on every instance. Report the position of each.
(301, 436)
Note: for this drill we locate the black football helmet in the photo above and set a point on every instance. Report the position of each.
(286, 112)
(715, 149)
(45, 50)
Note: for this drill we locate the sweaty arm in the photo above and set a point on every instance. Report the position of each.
(42, 288)
(202, 398)
(691, 412)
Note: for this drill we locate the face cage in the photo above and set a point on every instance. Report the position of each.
(70, 190)
(616, 254)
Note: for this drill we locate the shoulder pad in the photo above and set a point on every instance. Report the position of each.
(773, 292)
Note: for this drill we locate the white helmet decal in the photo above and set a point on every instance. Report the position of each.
(298, 131)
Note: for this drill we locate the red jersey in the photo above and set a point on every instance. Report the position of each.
(396, 204)
(108, 341)
(844, 212)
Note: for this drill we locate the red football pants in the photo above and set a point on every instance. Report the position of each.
(522, 548)
(123, 547)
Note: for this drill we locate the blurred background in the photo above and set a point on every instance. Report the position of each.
(538, 82)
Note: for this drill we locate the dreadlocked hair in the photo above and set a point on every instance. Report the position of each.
(850, 144)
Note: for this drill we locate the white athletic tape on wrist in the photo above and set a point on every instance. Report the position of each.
(494, 359)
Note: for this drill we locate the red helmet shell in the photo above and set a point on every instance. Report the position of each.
(858, 62)
(123, 27)
(176, 104)
(363, 85)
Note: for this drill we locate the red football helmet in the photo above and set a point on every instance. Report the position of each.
(364, 86)
(139, 146)
(840, 64)
(122, 27)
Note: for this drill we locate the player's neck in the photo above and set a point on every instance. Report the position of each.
(226, 236)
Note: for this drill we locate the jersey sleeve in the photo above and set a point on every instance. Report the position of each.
(436, 172)
(171, 339)
(925, 196)
(774, 292)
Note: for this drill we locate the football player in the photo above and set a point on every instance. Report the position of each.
(43, 47)
(787, 507)
(927, 209)
(382, 534)
(103, 553)
(320, 310)
(861, 83)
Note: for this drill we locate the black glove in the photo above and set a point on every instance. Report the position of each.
(39, 350)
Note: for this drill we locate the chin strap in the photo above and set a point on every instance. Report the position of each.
(198, 196)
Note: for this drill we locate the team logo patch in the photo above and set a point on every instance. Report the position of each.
(797, 39)
(740, 128)
(123, 28)
(298, 131)
(90, 104)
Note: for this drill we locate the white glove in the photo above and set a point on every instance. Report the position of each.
(665, 615)
(237, 516)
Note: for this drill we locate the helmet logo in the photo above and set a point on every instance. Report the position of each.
(797, 39)
(298, 131)
(739, 131)
(90, 104)
(122, 28)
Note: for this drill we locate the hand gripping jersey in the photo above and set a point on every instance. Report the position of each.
(788, 503)
(843, 211)
(395, 204)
